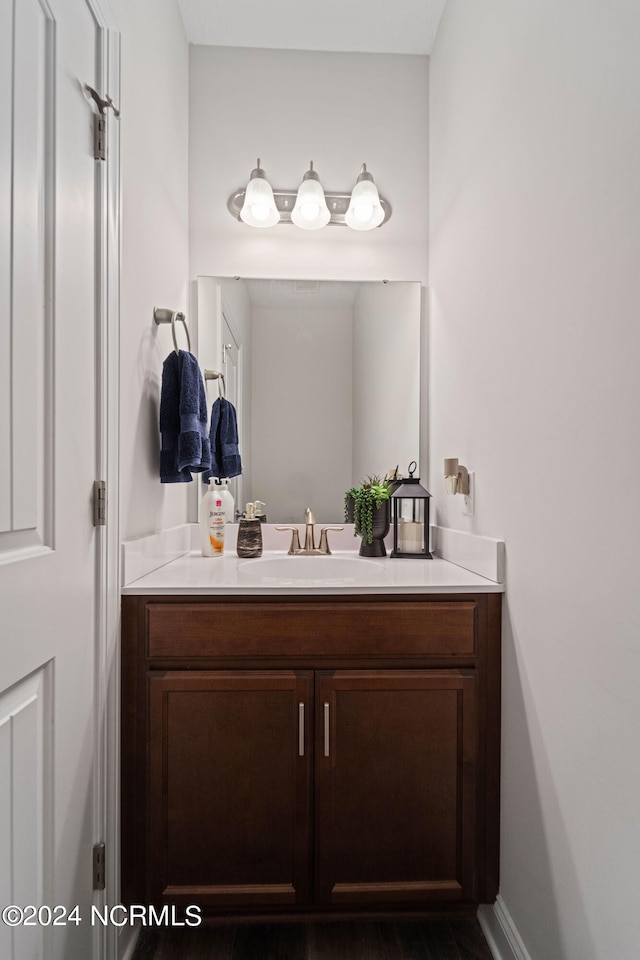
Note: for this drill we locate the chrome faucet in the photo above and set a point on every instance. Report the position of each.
(309, 549)
(309, 538)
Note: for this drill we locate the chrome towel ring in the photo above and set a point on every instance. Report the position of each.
(216, 375)
(162, 315)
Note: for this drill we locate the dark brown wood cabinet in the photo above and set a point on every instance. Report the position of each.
(395, 786)
(296, 757)
(230, 787)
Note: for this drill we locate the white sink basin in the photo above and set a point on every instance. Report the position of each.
(331, 569)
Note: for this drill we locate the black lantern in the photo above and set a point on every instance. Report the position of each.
(410, 503)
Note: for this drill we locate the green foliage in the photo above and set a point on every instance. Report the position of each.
(372, 493)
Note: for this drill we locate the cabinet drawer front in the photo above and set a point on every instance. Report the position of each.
(362, 628)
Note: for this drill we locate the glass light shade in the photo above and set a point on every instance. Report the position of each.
(365, 210)
(310, 211)
(259, 207)
(451, 484)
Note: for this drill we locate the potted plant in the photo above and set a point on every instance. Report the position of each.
(367, 506)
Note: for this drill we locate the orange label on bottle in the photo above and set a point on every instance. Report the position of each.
(217, 544)
(216, 535)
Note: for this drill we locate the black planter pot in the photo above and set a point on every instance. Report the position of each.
(350, 510)
(379, 529)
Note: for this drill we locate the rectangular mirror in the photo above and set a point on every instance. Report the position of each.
(325, 378)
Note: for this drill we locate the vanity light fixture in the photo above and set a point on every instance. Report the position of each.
(309, 207)
(258, 207)
(310, 211)
(456, 477)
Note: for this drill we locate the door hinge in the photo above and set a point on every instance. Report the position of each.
(98, 866)
(99, 503)
(100, 122)
(99, 136)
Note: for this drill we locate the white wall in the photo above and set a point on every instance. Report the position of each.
(301, 410)
(155, 253)
(535, 293)
(290, 107)
(386, 404)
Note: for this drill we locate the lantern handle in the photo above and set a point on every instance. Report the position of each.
(413, 466)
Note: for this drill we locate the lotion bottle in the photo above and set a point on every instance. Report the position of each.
(212, 519)
(223, 492)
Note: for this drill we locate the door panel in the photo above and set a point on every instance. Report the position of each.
(230, 787)
(48, 453)
(395, 805)
(6, 114)
(25, 758)
(27, 200)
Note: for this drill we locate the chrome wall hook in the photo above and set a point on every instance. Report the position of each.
(101, 104)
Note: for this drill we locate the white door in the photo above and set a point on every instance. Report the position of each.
(231, 368)
(49, 448)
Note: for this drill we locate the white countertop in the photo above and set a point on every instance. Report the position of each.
(195, 575)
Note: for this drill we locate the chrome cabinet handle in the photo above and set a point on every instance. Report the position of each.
(301, 729)
(326, 729)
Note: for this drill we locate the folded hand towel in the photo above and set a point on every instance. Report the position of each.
(183, 420)
(223, 441)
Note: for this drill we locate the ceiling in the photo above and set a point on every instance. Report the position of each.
(353, 26)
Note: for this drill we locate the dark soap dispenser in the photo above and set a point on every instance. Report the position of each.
(249, 534)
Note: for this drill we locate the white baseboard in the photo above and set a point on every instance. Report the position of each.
(500, 932)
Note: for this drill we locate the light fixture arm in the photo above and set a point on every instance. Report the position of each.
(364, 174)
(258, 172)
(311, 173)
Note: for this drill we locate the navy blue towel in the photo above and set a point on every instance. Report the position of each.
(183, 420)
(223, 440)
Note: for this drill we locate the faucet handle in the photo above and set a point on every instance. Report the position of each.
(295, 539)
(324, 543)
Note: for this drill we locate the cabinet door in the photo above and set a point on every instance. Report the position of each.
(395, 786)
(229, 797)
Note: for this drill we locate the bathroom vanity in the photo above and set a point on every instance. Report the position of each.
(296, 751)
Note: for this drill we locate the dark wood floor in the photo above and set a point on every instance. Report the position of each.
(459, 939)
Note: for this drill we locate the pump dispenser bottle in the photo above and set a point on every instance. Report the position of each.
(223, 492)
(249, 534)
(212, 519)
